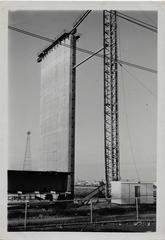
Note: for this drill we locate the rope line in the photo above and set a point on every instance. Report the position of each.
(137, 80)
(126, 117)
(137, 22)
(79, 49)
(135, 19)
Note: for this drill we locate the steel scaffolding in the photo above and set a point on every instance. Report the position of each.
(111, 121)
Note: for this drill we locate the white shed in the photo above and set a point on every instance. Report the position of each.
(126, 192)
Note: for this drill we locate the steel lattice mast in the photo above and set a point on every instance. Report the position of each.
(111, 121)
(27, 166)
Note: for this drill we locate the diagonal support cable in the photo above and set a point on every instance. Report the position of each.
(137, 66)
(79, 49)
(137, 22)
(86, 59)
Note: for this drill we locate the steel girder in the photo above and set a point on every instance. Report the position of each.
(72, 109)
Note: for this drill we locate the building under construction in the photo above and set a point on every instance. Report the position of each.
(57, 112)
(57, 124)
(57, 107)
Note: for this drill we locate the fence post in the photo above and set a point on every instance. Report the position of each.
(137, 210)
(25, 220)
(91, 210)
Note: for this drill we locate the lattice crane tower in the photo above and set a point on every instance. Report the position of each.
(27, 166)
(111, 121)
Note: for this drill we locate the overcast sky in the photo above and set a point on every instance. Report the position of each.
(137, 92)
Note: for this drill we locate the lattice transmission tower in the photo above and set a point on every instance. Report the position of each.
(27, 165)
(111, 118)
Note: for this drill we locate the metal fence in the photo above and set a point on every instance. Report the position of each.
(36, 214)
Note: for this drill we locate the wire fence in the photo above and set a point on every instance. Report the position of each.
(26, 212)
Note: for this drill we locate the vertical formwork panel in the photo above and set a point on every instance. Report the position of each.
(55, 101)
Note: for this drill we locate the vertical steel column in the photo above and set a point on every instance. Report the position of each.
(111, 126)
(72, 113)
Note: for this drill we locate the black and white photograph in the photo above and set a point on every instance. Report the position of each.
(82, 120)
(81, 123)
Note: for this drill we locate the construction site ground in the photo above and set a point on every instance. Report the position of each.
(70, 217)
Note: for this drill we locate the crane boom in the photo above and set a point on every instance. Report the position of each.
(111, 125)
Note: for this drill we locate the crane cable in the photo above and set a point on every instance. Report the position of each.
(79, 49)
(126, 117)
(137, 22)
(137, 80)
